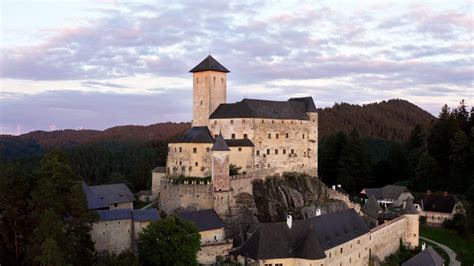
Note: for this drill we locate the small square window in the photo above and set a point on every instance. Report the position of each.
(245, 136)
(277, 135)
(287, 135)
(195, 150)
(303, 136)
(284, 151)
(269, 135)
(215, 122)
(258, 153)
(208, 149)
(180, 149)
(231, 121)
(292, 151)
(276, 151)
(196, 164)
(233, 136)
(240, 149)
(268, 151)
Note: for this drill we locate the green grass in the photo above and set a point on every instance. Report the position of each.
(462, 245)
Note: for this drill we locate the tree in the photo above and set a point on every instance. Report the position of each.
(170, 241)
(234, 169)
(125, 258)
(51, 254)
(459, 170)
(427, 172)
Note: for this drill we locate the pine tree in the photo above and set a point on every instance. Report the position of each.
(51, 254)
(427, 174)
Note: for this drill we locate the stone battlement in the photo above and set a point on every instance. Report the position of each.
(184, 182)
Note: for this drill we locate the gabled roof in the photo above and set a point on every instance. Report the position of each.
(428, 257)
(250, 108)
(113, 193)
(336, 228)
(209, 63)
(371, 208)
(409, 208)
(239, 143)
(308, 103)
(94, 201)
(196, 135)
(220, 144)
(437, 203)
(204, 220)
(142, 215)
(306, 239)
(386, 192)
(277, 240)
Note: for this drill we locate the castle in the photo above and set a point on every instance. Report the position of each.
(264, 138)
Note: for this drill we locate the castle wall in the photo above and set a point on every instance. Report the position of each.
(280, 145)
(385, 238)
(242, 157)
(155, 184)
(112, 236)
(189, 159)
(185, 196)
(334, 194)
(208, 252)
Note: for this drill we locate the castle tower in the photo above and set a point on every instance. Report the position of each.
(220, 165)
(412, 233)
(209, 89)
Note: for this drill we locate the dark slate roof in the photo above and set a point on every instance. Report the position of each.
(336, 228)
(143, 215)
(249, 108)
(209, 63)
(159, 169)
(220, 144)
(204, 220)
(115, 214)
(409, 208)
(437, 203)
(387, 192)
(197, 135)
(94, 201)
(276, 240)
(428, 257)
(371, 208)
(308, 103)
(239, 143)
(113, 193)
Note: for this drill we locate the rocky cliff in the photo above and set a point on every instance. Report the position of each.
(295, 194)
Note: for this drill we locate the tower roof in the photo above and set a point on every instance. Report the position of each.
(410, 208)
(220, 144)
(209, 63)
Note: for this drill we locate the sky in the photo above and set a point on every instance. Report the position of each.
(98, 64)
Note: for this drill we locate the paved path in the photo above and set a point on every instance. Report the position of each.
(449, 251)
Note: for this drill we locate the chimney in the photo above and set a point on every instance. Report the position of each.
(333, 187)
(428, 192)
(423, 246)
(318, 211)
(445, 193)
(289, 221)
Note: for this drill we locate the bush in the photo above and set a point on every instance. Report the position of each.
(458, 223)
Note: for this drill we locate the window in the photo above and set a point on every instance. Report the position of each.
(258, 153)
(215, 136)
(341, 251)
(222, 80)
(268, 165)
(115, 205)
(273, 121)
(240, 149)
(180, 149)
(278, 264)
(195, 150)
(196, 164)
(214, 80)
(292, 151)
(201, 102)
(197, 80)
(174, 149)
(208, 149)
(287, 135)
(268, 151)
(284, 151)
(359, 255)
(262, 121)
(276, 151)
(304, 154)
(233, 136)
(180, 163)
(215, 122)
(358, 242)
(231, 121)
(329, 254)
(269, 135)
(243, 121)
(303, 136)
(245, 136)
(190, 168)
(277, 135)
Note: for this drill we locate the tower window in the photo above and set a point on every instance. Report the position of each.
(208, 149)
(276, 151)
(215, 122)
(292, 122)
(214, 80)
(268, 151)
(303, 136)
(258, 153)
(277, 135)
(273, 121)
(174, 149)
(268, 165)
(201, 102)
(195, 150)
(180, 163)
(282, 121)
(197, 80)
(269, 135)
(231, 121)
(284, 151)
(240, 149)
(196, 164)
(287, 135)
(262, 121)
(180, 149)
(245, 136)
(292, 151)
(233, 136)
(222, 79)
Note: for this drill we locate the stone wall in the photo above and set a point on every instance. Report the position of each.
(334, 194)
(192, 196)
(385, 239)
(209, 90)
(123, 205)
(189, 159)
(208, 253)
(112, 236)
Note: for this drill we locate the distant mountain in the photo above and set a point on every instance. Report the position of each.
(391, 120)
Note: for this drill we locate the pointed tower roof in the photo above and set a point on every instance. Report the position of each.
(410, 208)
(220, 144)
(372, 208)
(209, 63)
